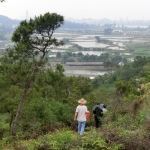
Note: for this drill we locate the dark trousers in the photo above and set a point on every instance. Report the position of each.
(98, 122)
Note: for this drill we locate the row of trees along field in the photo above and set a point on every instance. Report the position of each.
(104, 57)
(37, 104)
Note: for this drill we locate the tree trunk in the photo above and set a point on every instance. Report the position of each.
(28, 84)
(10, 123)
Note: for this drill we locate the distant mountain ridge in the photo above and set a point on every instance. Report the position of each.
(4, 20)
(80, 23)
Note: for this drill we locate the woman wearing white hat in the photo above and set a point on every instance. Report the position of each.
(80, 115)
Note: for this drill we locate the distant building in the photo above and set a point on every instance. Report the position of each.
(117, 31)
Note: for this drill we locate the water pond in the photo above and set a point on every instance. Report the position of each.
(115, 48)
(57, 50)
(91, 44)
(89, 73)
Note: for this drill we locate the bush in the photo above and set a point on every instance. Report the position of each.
(41, 116)
(67, 140)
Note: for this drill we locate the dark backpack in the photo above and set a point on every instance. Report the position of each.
(98, 112)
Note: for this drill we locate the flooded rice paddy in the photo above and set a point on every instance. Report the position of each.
(88, 73)
(89, 42)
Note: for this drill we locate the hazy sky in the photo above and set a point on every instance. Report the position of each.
(78, 9)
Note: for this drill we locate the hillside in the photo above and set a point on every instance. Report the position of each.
(6, 21)
(126, 125)
(48, 99)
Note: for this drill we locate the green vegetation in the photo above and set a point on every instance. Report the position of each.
(47, 98)
(139, 49)
(46, 121)
(100, 40)
(31, 41)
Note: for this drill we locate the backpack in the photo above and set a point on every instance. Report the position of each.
(102, 106)
(98, 112)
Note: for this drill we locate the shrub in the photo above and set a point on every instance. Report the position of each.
(67, 140)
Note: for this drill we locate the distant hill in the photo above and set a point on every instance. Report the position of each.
(81, 23)
(5, 21)
(74, 25)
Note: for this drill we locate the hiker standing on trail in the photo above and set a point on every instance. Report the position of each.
(97, 114)
(80, 116)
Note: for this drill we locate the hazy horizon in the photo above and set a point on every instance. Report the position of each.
(77, 9)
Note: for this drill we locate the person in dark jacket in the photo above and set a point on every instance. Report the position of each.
(97, 114)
